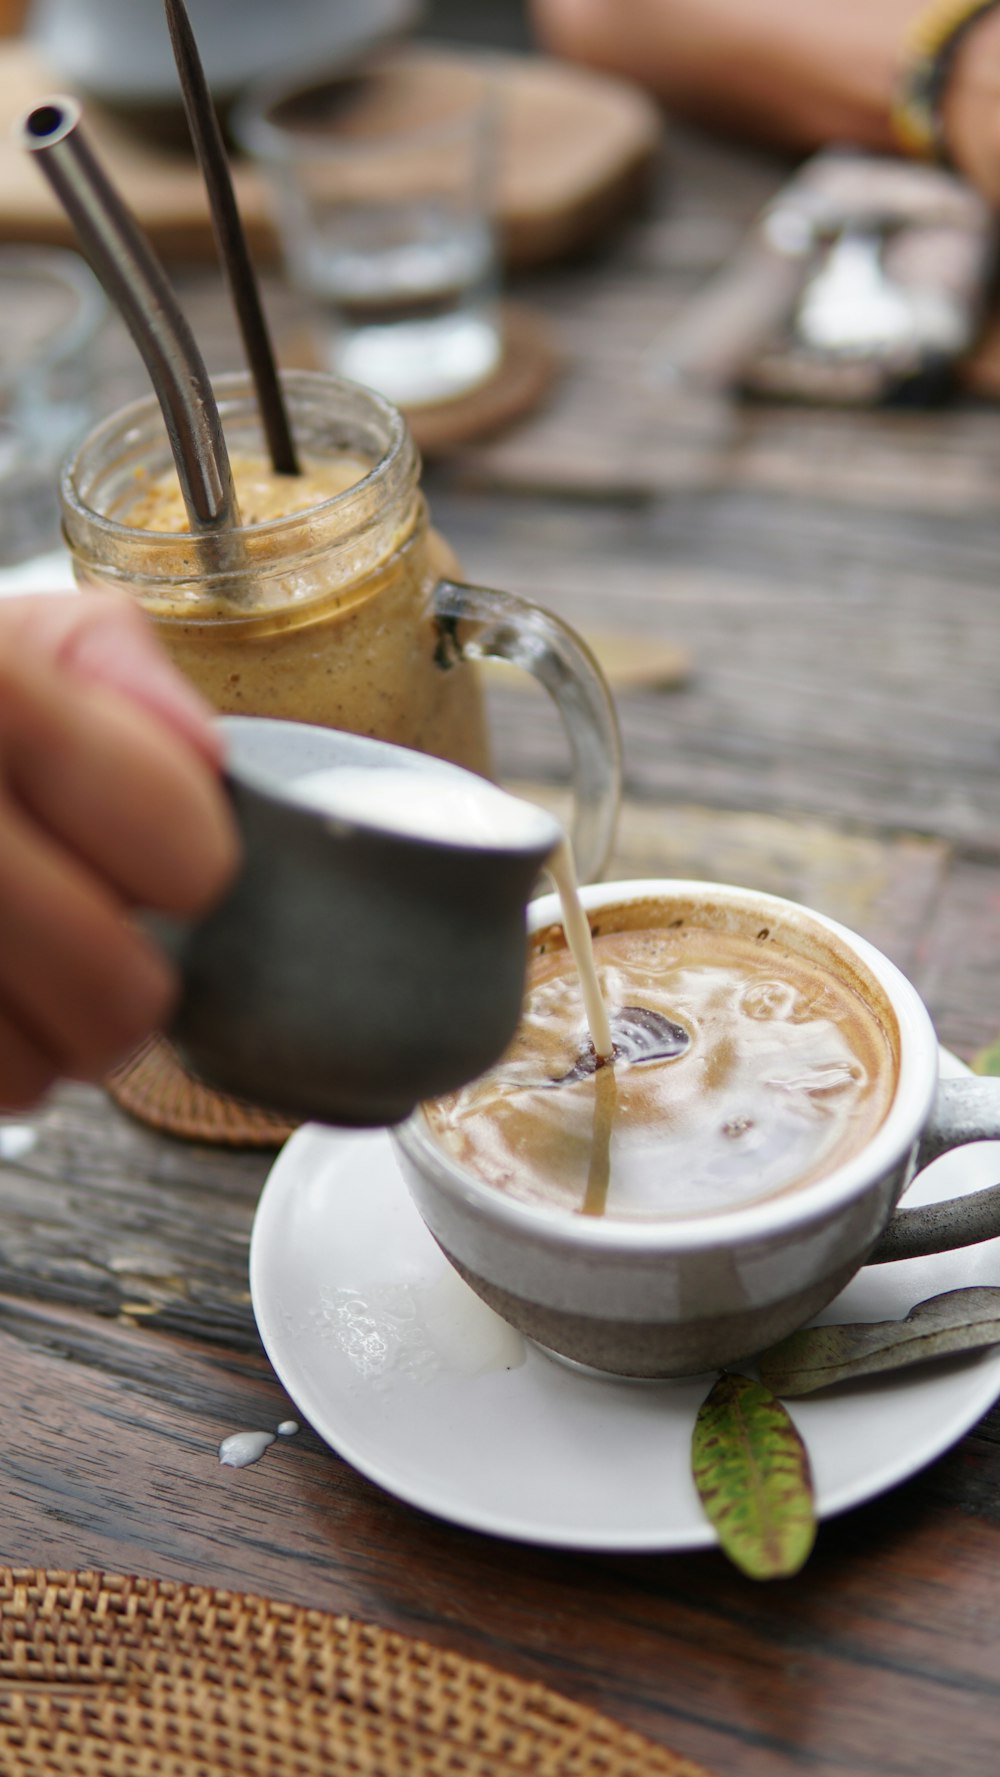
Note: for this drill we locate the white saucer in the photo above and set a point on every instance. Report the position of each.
(42, 574)
(411, 1379)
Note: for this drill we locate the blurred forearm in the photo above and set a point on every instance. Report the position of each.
(799, 74)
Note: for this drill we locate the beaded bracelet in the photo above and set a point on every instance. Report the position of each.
(929, 50)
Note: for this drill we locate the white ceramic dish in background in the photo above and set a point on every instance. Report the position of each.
(49, 573)
(119, 50)
(411, 1379)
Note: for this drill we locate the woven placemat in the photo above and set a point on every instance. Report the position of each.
(103, 1676)
(155, 1087)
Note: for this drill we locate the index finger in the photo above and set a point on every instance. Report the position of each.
(103, 638)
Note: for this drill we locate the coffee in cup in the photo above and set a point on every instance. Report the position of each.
(799, 1043)
(742, 1069)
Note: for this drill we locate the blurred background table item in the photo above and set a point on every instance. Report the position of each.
(383, 195)
(819, 716)
(574, 150)
(52, 314)
(117, 53)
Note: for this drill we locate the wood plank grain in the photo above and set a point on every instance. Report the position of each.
(887, 888)
(958, 965)
(841, 666)
(874, 1660)
(607, 430)
(106, 1215)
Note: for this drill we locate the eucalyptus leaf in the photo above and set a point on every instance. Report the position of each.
(817, 1357)
(753, 1477)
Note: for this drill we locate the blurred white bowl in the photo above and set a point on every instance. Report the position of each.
(119, 51)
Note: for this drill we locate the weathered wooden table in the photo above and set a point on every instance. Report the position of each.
(834, 578)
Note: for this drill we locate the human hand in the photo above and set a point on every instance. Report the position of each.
(971, 109)
(109, 802)
(799, 76)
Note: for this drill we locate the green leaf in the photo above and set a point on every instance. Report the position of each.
(957, 1320)
(753, 1477)
(988, 1059)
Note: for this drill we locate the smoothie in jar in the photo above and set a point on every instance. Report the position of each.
(319, 608)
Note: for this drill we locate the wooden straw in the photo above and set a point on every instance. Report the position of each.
(231, 239)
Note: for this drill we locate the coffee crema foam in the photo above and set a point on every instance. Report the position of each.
(789, 1071)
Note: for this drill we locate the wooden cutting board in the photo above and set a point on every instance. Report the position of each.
(575, 150)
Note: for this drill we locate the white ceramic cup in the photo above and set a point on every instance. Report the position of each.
(676, 1297)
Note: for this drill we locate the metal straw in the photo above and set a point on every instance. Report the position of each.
(230, 238)
(135, 280)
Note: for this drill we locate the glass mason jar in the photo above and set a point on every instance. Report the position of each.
(346, 614)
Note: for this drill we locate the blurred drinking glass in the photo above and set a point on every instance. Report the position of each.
(382, 190)
(52, 310)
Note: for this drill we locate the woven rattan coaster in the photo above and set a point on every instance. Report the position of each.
(111, 1677)
(521, 381)
(155, 1087)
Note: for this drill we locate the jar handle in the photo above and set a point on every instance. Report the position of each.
(478, 623)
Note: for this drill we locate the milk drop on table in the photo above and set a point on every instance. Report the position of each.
(242, 1448)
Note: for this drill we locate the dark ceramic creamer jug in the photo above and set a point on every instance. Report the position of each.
(353, 969)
